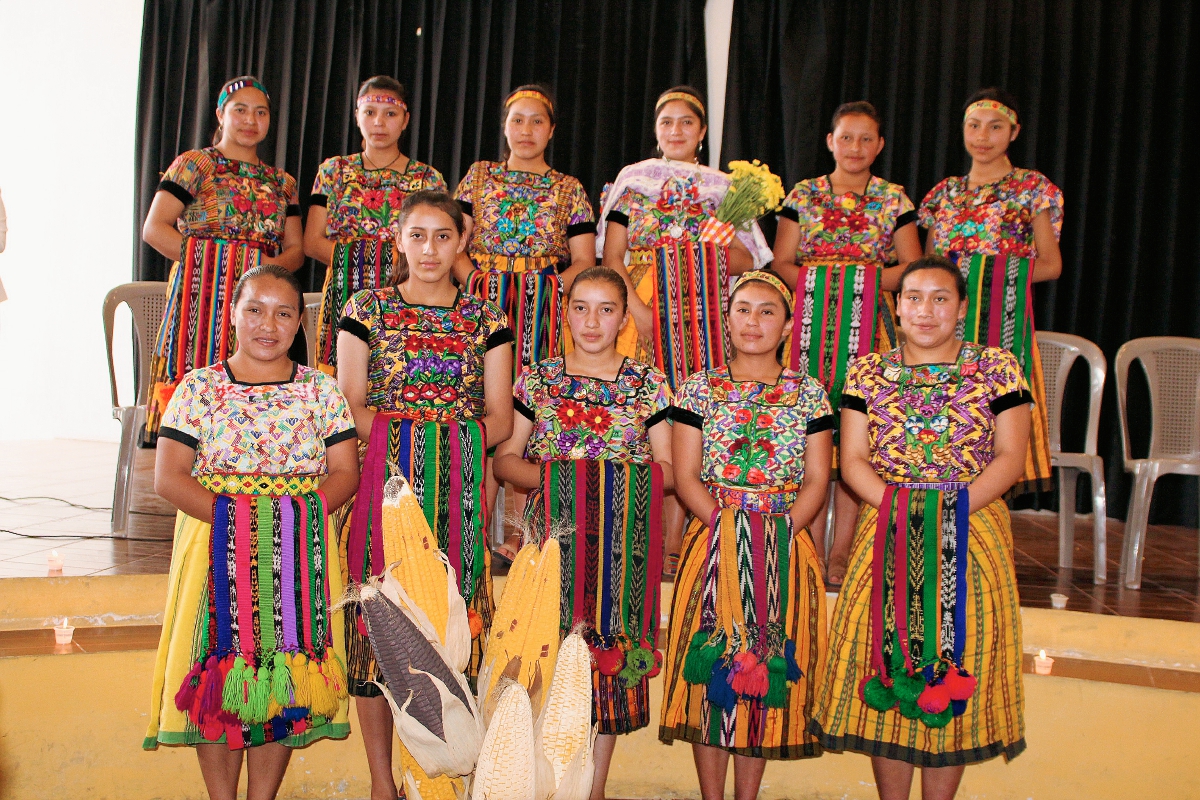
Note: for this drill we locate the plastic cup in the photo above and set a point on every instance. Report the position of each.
(1058, 600)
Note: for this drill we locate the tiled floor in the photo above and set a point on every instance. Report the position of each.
(82, 472)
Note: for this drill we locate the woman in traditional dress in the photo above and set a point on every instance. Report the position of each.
(659, 217)
(427, 370)
(925, 647)
(254, 451)
(746, 643)
(1001, 225)
(530, 228)
(842, 242)
(597, 418)
(352, 216)
(218, 213)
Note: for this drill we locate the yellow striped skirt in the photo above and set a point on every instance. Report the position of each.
(753, 729)
(184, 623)
(994, 722)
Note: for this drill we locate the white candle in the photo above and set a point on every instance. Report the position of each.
(63, 632)
(1042, 663)
(54, 561)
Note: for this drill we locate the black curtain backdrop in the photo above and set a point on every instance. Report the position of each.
(1109, 100)
(606, 61)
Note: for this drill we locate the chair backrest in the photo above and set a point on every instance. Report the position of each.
(147, 301)
(312, 310)
(1172, 365)
(1059, 352)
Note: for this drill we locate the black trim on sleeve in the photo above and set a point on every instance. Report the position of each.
(788, 212)
(317, 199)
(687, 417)
(293, 210)
(1011, 400)
(179, 436)
(854, 403)
(345, 435)
(580, 228)
(657, 417)
(500, 337)
(618, 217)
(178, 192)
(524, 410)
(353, 326)
(905, 218)
(825, 423)
(468, 208)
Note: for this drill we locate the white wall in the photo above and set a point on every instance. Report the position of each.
(68, 95)
(718, 20)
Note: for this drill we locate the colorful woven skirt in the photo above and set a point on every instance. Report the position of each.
(939, 619)
(1000, 314)
(528, 290)
(249, 652)
(445, 464)
(357, 264)
(607, 517)
(685, 286)
(196, 330)
(746, 644)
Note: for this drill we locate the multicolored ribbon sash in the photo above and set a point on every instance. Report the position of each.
(1000, 305)
(918, 603)
(196, 330)
(267, 669)
(690, 298)
(445, 463)
(357, 264)
(741, 650)
(529, 291)
(835, 321)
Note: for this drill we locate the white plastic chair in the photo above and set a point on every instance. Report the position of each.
(1172, 365)
(147, 301)
(312, 310)
(1059, 352)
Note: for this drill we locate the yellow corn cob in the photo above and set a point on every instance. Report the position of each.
(408, 540)
(505, 770)
(443, 787)
(525, 625)
(565, 724)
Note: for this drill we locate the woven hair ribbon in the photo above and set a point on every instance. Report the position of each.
(918, 604)
(266, 658)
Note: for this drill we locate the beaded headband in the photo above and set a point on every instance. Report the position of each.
(768, 278)
(690, 99)
(237, 86)
(530, 94)
(991, 105)
(381, 98)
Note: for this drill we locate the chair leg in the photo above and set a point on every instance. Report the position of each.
(1099, 523)
(498, 518)
(123, 481)
(1068, 477)
(1134, 552)
(830, 518)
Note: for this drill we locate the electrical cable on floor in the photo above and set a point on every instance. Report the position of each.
(112, 536)
(17, 501)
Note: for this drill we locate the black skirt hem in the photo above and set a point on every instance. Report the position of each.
(685, 733)
(910, 755)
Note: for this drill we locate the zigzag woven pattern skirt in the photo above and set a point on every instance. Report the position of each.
(993, 721)
(357, 264)
(607, 516)
(721, 713)
(528, 290)
(444, 463)
(196, 330)
(1000, 314)
(251, 593)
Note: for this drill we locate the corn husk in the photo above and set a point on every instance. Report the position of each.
(564, 732)
(524, 634)
(432, 707)
(507, 768)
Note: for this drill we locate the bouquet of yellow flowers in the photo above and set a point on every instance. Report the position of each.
(753, 191)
